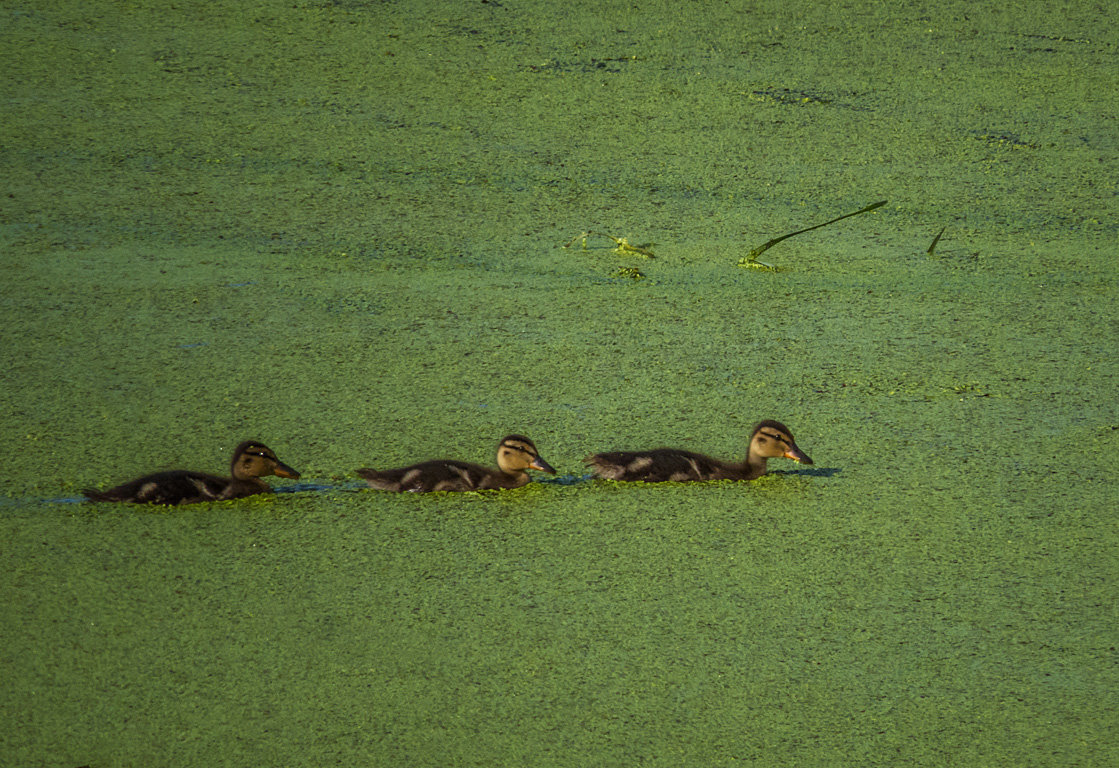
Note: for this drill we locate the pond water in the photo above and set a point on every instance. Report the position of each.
(339, 228)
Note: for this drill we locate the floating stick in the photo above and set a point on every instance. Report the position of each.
(936, 240)
(751, 258)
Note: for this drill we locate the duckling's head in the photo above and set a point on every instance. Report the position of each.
(773, 440)
(253, 458)
(516, 453)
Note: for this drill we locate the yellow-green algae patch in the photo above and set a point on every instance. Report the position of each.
(338, 228)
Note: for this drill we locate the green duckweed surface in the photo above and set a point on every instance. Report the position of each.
(338, 227)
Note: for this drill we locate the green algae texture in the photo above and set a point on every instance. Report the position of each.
(338, 228)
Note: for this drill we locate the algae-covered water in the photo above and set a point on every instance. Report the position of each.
(339, 228)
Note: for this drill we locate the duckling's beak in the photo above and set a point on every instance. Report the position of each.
(543, 466)
(797, 455)
(283, 470)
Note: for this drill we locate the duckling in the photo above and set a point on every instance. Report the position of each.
(251, 461)
(515, 454)
(770, 439)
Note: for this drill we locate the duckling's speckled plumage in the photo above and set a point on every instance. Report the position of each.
(515, 454)
(251, 461)
(770, 439)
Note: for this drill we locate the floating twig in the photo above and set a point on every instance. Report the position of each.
(751, 259)
(936, 240)
(623, 246)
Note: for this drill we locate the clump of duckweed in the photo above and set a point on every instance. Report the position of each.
(623, 247)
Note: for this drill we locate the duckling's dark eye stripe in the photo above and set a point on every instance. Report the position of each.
(778, 438)
(520, 448)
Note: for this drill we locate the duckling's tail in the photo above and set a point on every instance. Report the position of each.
(95, 495)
